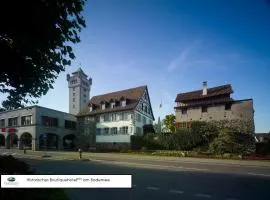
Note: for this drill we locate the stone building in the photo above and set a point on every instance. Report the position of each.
(212, 104)
(112, 118)
(37, 127)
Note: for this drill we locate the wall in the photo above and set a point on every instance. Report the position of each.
(113, 138)
(239, 110)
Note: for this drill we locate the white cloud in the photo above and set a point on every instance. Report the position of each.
(183, 59)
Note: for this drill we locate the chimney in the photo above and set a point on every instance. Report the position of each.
(204, 92)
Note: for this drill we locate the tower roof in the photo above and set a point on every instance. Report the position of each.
(79, 70)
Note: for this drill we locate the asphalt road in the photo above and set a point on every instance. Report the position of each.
(160, 184)
(239, 167)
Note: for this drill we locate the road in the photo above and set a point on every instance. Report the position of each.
(254, 168)
(156, 179)
(159, 184)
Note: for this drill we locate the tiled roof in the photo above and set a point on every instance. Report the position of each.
(211, 92)
(131, 95)
(207, 102)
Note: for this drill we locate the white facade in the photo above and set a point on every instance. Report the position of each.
(132, 124)
(79, 91)
(119, 119)
(35, 122)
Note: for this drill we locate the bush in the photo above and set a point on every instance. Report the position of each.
(232, 142)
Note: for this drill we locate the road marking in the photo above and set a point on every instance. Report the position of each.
(255, 174)
(152, 188)
(203, 195)
(177, 191)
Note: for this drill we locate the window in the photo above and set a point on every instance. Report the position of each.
(124, 116)
(73, 99)
(114, 130)
(84, 101)
(106, 131)
(228, 106)
(114, 117)
(204, 109)
(84, 89)
(98, 131)
(150, 121)
(70, 124)
(84, 95)
(26, 120)
(138, 130)
(90, 108)
(73, 106)
(113, 105)
(97, 119)
(144, 120)
(124, 130)
(103, 106)
(184, 111)
(138, 117)
(123, 103)
(73, 89)
(74, 94)
(106, 117)
(2, 123)
(49, 121)
(13, 121)
(101, 118)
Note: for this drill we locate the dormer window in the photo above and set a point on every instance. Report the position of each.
(103, 105)
(112, 104)
(123, 101)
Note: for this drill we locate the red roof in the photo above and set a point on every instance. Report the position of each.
(211, 92)
(131, 95)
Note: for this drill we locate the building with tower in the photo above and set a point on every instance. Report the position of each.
(79, 91)
(104, 121)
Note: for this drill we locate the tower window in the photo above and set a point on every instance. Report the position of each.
(204, 109)
(84, 89)
(228, 106)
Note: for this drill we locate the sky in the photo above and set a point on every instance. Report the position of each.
(172, 46)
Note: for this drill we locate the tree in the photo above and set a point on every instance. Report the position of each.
(35, 44)
(169, 122)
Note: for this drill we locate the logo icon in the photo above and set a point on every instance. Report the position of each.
(11, 179)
